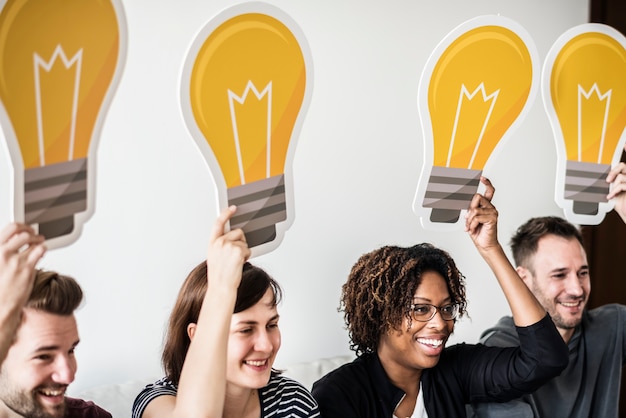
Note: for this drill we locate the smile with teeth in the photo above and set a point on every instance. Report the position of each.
(430, 341)
(570, 304)
(256, 363)
(52, 392)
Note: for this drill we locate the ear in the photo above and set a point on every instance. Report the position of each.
(191, 330)
(525, 275)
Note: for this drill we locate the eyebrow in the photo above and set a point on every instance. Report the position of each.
(426, 300)
(53, 347)
(566, 269)
(273, 318)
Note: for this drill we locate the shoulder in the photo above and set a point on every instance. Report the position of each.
(77, 408)
(502, 334)
(351, 381)
(353, 373)
(280, 385)
(611, 311)
(346, 377)
(161, 387)
(284, 396)
(605, 320)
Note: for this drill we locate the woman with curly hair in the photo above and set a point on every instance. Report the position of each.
(400, 306)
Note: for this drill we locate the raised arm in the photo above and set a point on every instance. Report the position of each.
(202, 385)
(617, 178)
(20, 250)
(481, 224)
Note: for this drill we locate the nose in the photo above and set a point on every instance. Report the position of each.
(64, 370)
(437, 321)
(573, 286)
(263, 342)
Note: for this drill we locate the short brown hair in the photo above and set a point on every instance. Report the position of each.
(380, 289)
(254, 283)
(54, 293)
(525, 241)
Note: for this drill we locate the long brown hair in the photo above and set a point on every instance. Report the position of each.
(254, 283)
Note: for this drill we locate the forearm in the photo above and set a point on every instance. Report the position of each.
(501, 374)
(524, 306)
(202, 385)
(10, 316)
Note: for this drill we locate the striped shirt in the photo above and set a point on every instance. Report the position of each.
(281, 398)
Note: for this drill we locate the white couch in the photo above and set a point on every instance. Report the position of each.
(118, 398)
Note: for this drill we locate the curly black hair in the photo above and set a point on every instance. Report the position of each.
(380, 289)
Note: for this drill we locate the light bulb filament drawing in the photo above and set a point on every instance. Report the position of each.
(258, 55)
(584, 95)
(476, 85)
(451, 188)
(48, 203)
(40, 63)
(587, 95)
(232, 98)
(60, 62)
(465, 94)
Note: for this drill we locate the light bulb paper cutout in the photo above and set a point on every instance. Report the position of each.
(60, 61)
(245, 86)
(476, 86)
(584, 93)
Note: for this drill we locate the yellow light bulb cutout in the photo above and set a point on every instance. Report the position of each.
(584, 92)
(477, 83)
(59, 62)
(244, 91)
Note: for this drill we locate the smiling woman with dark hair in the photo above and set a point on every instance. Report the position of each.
(221, 343)
(400, 305)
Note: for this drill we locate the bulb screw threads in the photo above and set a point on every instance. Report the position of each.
(53, 194)
(585, 184)
(449, 191)
(260, 206)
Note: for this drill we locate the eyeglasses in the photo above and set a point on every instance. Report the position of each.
(424, 312)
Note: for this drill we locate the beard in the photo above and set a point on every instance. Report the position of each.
(25, 403)
(562, 323)
(551, 306)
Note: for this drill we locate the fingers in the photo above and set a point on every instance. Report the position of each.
(34, 253)
(20, 239)
(220, 223)
(15, 233)
(489, 189)
(481, 211)
(227, 244)
(617, 178)
(618, 169)
(481, 216)
(20, 250)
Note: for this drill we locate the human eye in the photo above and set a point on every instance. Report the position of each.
(245, 331)
(448, 309)
(421, 310)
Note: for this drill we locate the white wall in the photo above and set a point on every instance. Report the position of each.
(355, 174)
